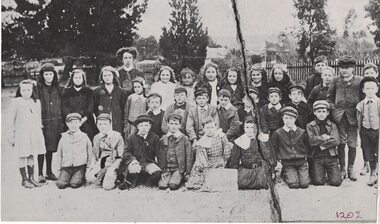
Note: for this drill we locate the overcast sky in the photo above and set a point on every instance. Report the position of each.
(258, 16)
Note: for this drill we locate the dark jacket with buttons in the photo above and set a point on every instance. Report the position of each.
(290, 146)
(270, 120)
(112, 103)
(343, 98)
(304, 113)
(183, 153)
(316, 141)
(229, 122)
(312, 81)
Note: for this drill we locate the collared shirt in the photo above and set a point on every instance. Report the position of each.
(234, 87)
(277, 106)
(176, 134)
(370, 113)
(128, 69)
(228, 106)
(202, 109)
(156, 112)
(183, 106)
(288, 129)
(142, 136)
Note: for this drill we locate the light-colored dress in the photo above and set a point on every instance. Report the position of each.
(166, 90)
(26, 125)
(136, 105)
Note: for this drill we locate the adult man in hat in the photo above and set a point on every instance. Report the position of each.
(343, 96)
(139, 157)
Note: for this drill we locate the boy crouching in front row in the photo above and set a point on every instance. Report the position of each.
(175, 156)
(324, 139)
(291, 145)
(107, 151)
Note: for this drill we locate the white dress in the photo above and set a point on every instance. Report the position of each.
(166, 90)
(25, 123)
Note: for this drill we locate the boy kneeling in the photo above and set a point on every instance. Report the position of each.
(108, 149)
(175, 157)
(324, 139)
(139, 157)
(291, 145)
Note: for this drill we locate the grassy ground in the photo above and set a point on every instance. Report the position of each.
(92, 203)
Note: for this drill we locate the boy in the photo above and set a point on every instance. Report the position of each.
(175, 157)
(74, 154)
(180, 106)
(139, 157)
(128, 72)
(319, 92)
(319, 63)
(291, 146)
(157, 115)
(343, 96)
(197, 114)
(323, 137)
(107, 151)
(304, 111)
(270, 114)
(368, 118)
(228, 115)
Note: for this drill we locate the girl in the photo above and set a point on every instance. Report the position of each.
(188, 82)
(78, 98)
(253, 171)
(50, 96)
(165, 86)
(109, 98)
(259, 81)
(234, 84)
(281, 80)
(210, 81)
(136, 105)
(26, 130)
(212, 151)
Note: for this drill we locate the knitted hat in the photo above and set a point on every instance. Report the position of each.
(274, 90)
(224, 93)
(142, 118)
(320, 59)
(200, 91)
(291, 111)
(104, 117)
(321, 104)
(180, 90)
(73, 116)
(346, 61)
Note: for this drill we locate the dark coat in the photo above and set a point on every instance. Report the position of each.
(236, 95)
(157, 122)
(319, 92)
(81, 102)
(143, 150)
(126, 78)
(229, 122)
(284, 86)
(317, 143)
(290, 148)
(269, 120)
(183, 151)
(207, 86)
(171, 109)
(263, 94)
(51, 110)
(112, 103)
(343, 98)
(312, 81)
(305, 114)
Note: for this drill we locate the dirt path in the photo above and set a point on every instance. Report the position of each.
(91, 203)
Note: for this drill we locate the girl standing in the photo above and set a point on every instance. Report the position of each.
(234, 84)
(109, 98)
(259, 81)
(210, 81)
(165, 86)
(50, 96)
(188, 82)
(281, 80)
(26, 130)
(78, 98)
(136, 105)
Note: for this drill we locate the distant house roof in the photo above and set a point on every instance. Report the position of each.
(220, 52)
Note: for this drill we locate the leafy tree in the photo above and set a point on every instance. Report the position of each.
(316, 37)
(373, 9)
(147, 47)
(348, 22)
(184, 43)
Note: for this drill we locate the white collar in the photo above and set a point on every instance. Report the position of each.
(128, 69)
(278, 106)
(156, 112)
(77, 88)
(176, 134)
(288, 129)
(243, 142)
(247, 109)
(143, 136)
(374, 99)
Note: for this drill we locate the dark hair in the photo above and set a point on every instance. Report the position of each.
(155, 95)
(172, 75)
(114, 72)
(48, 67)
(141, 81)
(34, 89)
(239, 81)
(206, 67)
(186, 71)
(130, 50)
(285, 79)
(264, 76)
(75, 71)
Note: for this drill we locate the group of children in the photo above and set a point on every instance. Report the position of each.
(181, 130)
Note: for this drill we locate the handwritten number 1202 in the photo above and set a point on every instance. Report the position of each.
(348, 215)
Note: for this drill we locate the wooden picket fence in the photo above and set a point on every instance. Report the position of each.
(299, 71)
